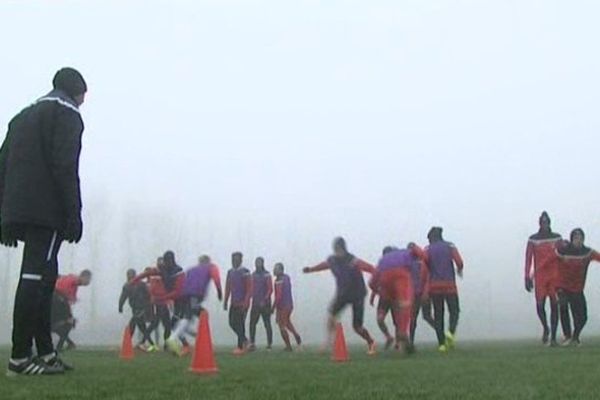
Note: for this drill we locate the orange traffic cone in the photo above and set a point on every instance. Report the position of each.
(203, 361)
(340, 351)
(127, 345)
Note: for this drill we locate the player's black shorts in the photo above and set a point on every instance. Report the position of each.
(190, 307)
(358, 309)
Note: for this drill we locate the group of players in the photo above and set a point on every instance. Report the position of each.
(405, 280)
(408, 281)
(557, 270)
(168, 295)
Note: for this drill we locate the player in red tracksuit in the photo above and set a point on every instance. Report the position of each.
(393, 282)
(541, 273)
(574, 259)
(173, 280)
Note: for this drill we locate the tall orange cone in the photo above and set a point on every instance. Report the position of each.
(127, 345)
(340, 351)
(203, 361)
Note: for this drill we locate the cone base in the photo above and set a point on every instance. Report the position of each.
(205, 371)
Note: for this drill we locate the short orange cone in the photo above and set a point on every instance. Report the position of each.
(340, 351)
(127, 345)
(203, 361)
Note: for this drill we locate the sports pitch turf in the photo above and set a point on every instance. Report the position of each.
(474, 371)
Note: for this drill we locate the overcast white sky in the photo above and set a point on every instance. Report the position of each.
(272, 126)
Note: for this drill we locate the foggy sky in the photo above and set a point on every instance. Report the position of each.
(272, 126)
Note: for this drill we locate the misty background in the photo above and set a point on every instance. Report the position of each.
(270, 127)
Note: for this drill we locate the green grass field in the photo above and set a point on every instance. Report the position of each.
(474, 371)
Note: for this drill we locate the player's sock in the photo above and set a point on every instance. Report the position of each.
(443, 349)
(450, 340)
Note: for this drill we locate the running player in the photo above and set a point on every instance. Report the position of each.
(384, 307)
(193, 295)
(66, 294)
(139, 301)
(283, 306)
(442, 258)
(541, 273)
(159, 310)
(351, 289)
(238, 287)
(262, 290)
(393, 282)
(421, 303)
(173, 279)
(575, 259)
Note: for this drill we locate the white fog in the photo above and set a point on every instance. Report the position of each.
(270, 127)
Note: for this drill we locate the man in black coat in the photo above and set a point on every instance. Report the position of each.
(40, 205)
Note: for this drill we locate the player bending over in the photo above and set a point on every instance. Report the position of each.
(65, 295)
(193, 295)
(262, 290)
(393, 282)
(541, 274)
(575, 259)
(350, 289)
(283, 306)
(442, 258)
(238, 287)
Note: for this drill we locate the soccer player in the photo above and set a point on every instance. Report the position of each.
(421, 302)
(172, 279)
(384, 307)
(238, 288)
(444, 263)
(351, 289)
(575, 259)
(66, 293)
(262, 290)
(541, 273)
(193, 295)
(138, 296)
(283, 306)
(393, 282)
(40, 205)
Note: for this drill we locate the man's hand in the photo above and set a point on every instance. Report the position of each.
(225, 306)
(528, 284)
(220, 295)
(460, 273)
(73, 229)
(120, 310)
(306, 270)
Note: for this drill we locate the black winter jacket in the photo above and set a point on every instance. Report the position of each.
(39, 164)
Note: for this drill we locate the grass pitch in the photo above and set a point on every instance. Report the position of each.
(474, 371)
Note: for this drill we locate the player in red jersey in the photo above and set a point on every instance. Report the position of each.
(541, 273)
(575, 259)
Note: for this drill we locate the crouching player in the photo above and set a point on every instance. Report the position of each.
(393, 282)
(350, 289)
(284, 305)
(193, 294)
(575, 259)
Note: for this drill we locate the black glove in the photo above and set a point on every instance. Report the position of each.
(528, 284)
(7, 236)
(73, 230)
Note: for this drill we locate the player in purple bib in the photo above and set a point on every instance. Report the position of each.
(195, 288)
(284, 305)
(262, 291)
